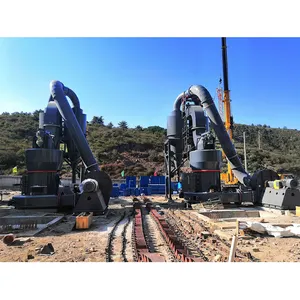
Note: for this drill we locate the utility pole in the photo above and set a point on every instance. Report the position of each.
(259, 140)
(245, 155)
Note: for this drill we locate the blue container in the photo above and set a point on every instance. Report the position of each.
(154, 180)
(137, 192)
(123, 186)
(144, 190)
(127, 192)
(162, 179)
(158, 188)
(121, 193)
(115, 192)
(131, 181)
(115, 184)
(149, 192)
(174, 186)
(144, 181)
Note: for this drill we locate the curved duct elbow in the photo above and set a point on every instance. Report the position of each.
(217, 124)
(57, 90)
(71, 94)
(178, 101)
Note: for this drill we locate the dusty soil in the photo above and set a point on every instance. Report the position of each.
(268, 248)
(89, 245)
(69, 245)
(124, 229)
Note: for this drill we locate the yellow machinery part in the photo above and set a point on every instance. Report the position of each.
(228, 177)
(277, 184)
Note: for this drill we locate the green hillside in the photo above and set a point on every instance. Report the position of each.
(139, 151)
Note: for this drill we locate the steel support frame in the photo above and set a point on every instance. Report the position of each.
(170, 171)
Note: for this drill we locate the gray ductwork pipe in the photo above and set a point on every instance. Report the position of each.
(59, 92)
(217, 124)
(71, 94)
(178, 101)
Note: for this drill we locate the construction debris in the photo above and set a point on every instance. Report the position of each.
(217, 257)
(276, 231)
(233, 248)
(205, 234)
(8, 239)
(46, 250)
(30, 255)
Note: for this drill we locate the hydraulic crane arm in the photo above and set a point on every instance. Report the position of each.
(227, 109)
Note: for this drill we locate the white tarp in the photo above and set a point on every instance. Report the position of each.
(276, 231)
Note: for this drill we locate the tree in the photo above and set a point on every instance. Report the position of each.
(110, 125)
(123, 124)
(155, 129)
(114, 154)
(139, 128)
(36, 114)
(97, 120)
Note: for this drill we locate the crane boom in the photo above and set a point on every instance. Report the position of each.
(230, 179)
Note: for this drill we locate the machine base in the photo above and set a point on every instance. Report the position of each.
(34, 202)
(64, 202)
(284, 199)
(232, 197)
(91, 202)
(227, 197)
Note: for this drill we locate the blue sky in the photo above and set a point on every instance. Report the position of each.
(138, 79)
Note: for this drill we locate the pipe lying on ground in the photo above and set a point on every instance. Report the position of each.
(8, 239)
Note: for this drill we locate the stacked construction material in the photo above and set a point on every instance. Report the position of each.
(148, 185)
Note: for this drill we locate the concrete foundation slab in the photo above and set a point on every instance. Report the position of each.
(229, 214)
(15, 222)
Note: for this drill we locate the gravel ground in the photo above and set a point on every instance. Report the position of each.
(89, 245)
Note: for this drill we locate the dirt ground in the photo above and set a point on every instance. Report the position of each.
(69, 245)
(89, 245)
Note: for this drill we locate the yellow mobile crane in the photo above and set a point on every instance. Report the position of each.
(228, 178)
